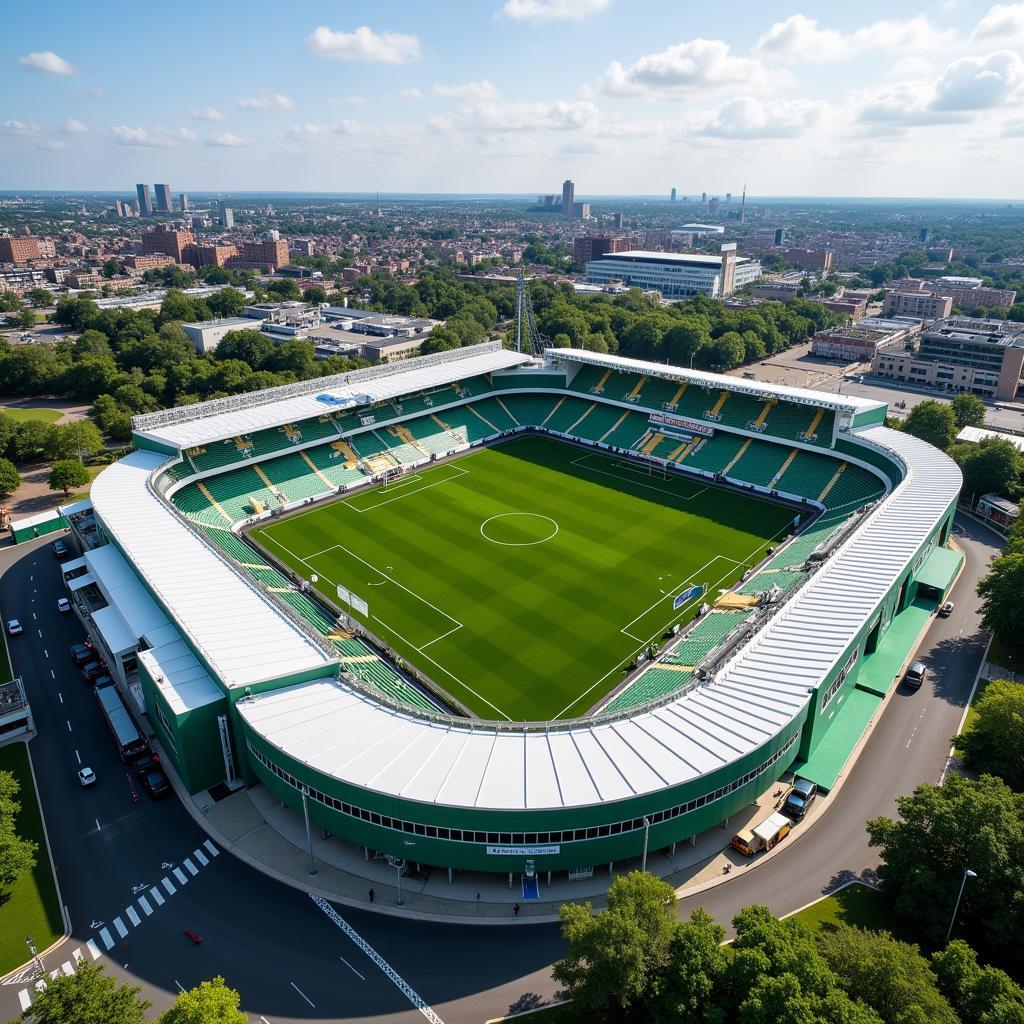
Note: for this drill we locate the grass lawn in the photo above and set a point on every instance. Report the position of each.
(1009, 655)
(31, 906)
(21, 415)
(858, 905)
(971, 712)
(523, 578)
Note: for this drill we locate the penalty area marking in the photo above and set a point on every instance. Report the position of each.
(406, 493)
(524, 543)
(637, 471)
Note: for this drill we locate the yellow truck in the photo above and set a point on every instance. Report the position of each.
(763, 836)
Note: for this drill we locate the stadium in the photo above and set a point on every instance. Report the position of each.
(481, 608)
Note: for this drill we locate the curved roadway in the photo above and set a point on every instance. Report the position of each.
(290, 961)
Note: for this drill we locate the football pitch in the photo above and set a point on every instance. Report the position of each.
(523, 578)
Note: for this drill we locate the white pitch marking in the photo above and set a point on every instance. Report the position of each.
(192, 869)
(168, 885)
(35, 618)
(144, 903)
(94, 950)
(158, 899)
(201, 857)
(108, 942)
(180, 876)
(119, 925)
(213, 849)
(133, 916)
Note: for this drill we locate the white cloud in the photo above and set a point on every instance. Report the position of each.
(228, 140)
(552, 10)
(320, 132)
(364, 45)
(980, 83)
(697, 65)
(1003, 22)
(412, 93)
(354, 101)
(501, 118)
(53, 144)
(22, 128)
(207, 114)
(482, 90)
(151, 138)
(47, 62)
(271, 101)
(802, 38)
(72, 126)
(911, 67)
(748, 118)
(905, 104)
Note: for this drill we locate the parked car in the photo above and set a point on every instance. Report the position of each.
(92, 670)
(14, 627)
(946, 610)
(799, 799)
(80, 654)
(155, 783)
(147, 763)
(60, 549)
(102, 681)
(63, 605)
(86, 776)
(914, 676)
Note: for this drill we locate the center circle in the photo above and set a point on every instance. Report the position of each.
(518, 529)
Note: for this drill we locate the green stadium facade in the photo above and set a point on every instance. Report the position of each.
(246, 676)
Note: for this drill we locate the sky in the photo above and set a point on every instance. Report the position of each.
(626, 97)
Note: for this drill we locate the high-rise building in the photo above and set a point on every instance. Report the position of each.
(780, 237)
(267, 252)
(227, 216)
(728, 197)
(672, 197)
(118, 208)
(568, 195)
(703, 197)
(594, 247)
(145, 201)
(18, 250)
(163, 198)
(922, 235)
(183, 201)
(620, 221)
(713, 204)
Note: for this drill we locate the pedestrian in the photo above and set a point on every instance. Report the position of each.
(372, 894)
(478, 897)
(515, 910)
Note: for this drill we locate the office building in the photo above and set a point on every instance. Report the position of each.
(704, 197)
(171, 243)
(969, 293)
(227, 216)
(145, 201)
(676, 275)
(183, 202)
(962, 354)
(207, 334)
(713, 204)
(728, 197)
(620, 221)
(922, 235)
(925, 305)
(780, 237)
(672, 197)
(568, 194)
(594, 247)
(163, 198)
(861, 343)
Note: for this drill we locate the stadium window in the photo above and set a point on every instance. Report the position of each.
(603, 831)
(420, 830)
(492, 838)
(431, 831)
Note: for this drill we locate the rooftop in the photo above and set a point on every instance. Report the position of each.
(692, 259)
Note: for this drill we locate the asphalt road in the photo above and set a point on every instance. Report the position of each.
(287, 958)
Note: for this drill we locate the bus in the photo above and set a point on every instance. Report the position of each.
(129, 742)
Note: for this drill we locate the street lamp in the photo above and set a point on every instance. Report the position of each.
(309, 834)
(647, 832)
(968, 873)
(40, 970)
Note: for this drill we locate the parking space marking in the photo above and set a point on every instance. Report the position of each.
(155, 893)
(133, 916)
(119, 925)
(168, 885)
(67, 968)
(144, 903)
(213, 849)
(25, 999)
(108, 942)
(192, 869)
(94, 950)
(180, 876)
(77, 955)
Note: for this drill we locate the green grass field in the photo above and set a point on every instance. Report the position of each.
(859, 905)
(30, 906)
(522, 578)
(22, 414)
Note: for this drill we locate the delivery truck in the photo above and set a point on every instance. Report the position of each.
(764, 836)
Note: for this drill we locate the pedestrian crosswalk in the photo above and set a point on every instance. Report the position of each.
(103, 941)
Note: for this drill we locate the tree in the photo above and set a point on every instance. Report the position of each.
(76, 313)
(66, 475)
(25, 319)
(932, 421)
(10, 479)
(314, 293)
(87, 997)
(1002, 610)
(613, 956)
(32, 441)
(284, 289)
(943, 830)
(226, 302)
(210, 1002)
(77, 439)
(994, 744)
(39, 297)
(890, 976)
(981, 995)
(17, 854)
(968, 410)
(994, 465)
(689, 990)
(252, 347)
(113, 267)
(9, 302)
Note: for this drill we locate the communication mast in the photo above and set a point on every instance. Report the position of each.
(528, 338)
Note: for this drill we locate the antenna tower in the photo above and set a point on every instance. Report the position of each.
(743, 204)
(528, 338)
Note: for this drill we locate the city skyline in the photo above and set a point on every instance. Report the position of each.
(894, 100)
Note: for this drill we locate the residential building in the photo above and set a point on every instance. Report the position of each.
(145, 201)
(183, 202)
(204, 255)
(164, 203)
(593, 247)
(148, 261)
(227, 215)
(568, 192)
(264, 252)
(677, 275)
(18, 250)
(966, 292)
(809, 259)
(926, 305)
(172, 243)
(961, 354)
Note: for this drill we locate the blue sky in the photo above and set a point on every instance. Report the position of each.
(624, 96)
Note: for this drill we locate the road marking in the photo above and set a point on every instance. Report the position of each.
(169, 886)
(97, 820)
(67, 968)
(180, 876)
(303, 994)
(53, 975)
(25, 999)
(69, 724)
(53, 675)
(108, 942)
(351, 968)
(119, 925)
(133, 916)
(213, 849)
(94, 950)
(181, 988)
(78, 757)
(60, 696)
(46, 653)
(35, 617)
(155, 893)
(201, 857)
(144, 903)
(392, 974)
(192, 869)
(77, 954)
(40, 632)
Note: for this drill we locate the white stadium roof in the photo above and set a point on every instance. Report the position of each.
(346, 734)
